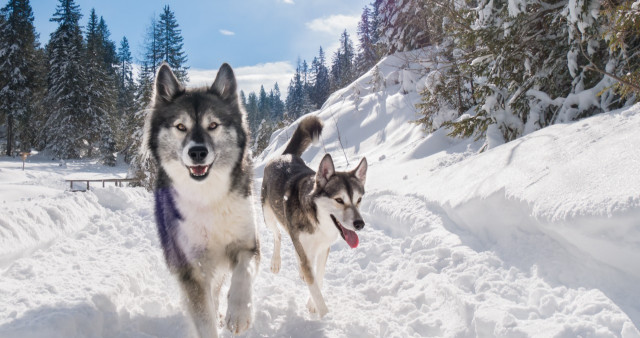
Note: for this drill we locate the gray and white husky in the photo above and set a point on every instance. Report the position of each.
(203, 200)
(314, 208)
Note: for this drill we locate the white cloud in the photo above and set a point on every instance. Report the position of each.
(326, 32)
(334, 24)
(250, 77)
(226, 32)
(290, 2)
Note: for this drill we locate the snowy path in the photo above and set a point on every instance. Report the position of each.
(411, 276)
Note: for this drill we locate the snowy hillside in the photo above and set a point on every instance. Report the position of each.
(538, 237)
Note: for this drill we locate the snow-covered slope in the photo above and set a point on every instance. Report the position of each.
(538, 237)
(560, 206)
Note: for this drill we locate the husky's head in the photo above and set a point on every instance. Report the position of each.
(338, 197)
(197, 131)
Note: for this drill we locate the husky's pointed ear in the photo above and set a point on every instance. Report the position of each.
(225, 84)
(325, 171)
(167, 86)
(360, 172)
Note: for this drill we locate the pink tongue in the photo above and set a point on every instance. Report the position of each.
(351, 237)
(199, 170)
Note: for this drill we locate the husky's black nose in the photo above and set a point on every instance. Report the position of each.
(358, 224)
(198, 153)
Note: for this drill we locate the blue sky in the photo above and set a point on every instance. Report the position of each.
(260, 39)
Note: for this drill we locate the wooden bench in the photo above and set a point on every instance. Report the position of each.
(118, 182)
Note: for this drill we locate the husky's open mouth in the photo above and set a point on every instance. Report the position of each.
(199, 172)
(349, 236)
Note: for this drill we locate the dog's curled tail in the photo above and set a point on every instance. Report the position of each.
(308, 131)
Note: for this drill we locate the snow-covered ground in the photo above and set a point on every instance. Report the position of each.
(537, 237)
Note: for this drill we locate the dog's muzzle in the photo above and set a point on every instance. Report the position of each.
(198, 154)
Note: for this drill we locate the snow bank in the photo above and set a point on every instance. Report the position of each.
(35, 223)
(575, 182)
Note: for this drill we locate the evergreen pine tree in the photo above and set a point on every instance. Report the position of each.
(110, 56)
(622, 31)
(98, 122)
(170, 43)
(264, 105)
(66, 91)
(277, 106)
(367, 56)
(126, 83)
(243, 99)
(296, 95)
(126, 106)
(151, 60)
(321, 82)
(490, 63)
(411, 24)
(252, 111)
(342, 68)
(305, 73)
(374, 22)
(18, 66)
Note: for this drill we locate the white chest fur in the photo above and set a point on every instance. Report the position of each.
(213, 217)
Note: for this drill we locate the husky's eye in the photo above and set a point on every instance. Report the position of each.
(339, 200)
(359, 199)
(181, 127)
(212, 126)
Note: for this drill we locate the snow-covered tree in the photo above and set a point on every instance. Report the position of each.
(126, 106)
(66, 94)
(518, 66)
(98, 117)
(406, 25)
(622, 31)
(374, 28)
(109, 53)
(367, 56)
(18, 66)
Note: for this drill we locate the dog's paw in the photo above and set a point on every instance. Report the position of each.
(275, 264)
(311, 306)
(302, 275)
(220, 320)
(239, 317)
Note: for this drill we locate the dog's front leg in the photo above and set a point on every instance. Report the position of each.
(320, 265)
(240, 307)
(197, 291)
(308, 276)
